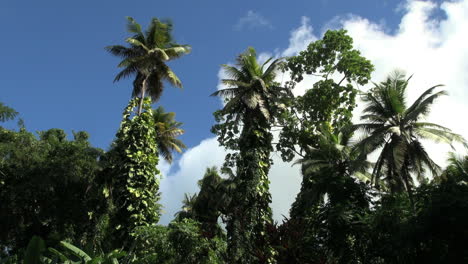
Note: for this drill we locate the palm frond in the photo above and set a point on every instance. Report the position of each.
(227, 93)
(375, 107)
(374, 118)
(138, 43)
(156, 86)
(419, 153)
(233, 73)
(269, 73)
(375, 140)
(7, 113)
(232, 105)
(235, 83)
(422, 97)
(121, 51)
(172, 78)
(421, 109)
(440, 135)
(129, 71)
(133, 26)
(177, 52)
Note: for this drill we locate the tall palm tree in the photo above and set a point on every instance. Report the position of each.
(251, 102)
(146, 57)
(167, 129)
(251, 87)
(394, 127)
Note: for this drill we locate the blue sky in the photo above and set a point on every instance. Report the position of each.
(55, 72)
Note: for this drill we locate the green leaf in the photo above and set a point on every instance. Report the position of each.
(34, 250)
(76, 251)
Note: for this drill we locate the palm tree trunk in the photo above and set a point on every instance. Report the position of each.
(409, 190)
(142, 99)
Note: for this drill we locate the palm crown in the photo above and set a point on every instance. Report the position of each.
(146, 57)
(334, 153)
(250, 85)
(167, 129)
(397, 129)
(326, 167)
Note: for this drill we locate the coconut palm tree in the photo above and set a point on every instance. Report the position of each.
(187, 207)
(396, 129)
(251, 98)
(457, 168)
(167, 129)
(210, 202)
(146, 57)
(251, 88)
(328, 166)
(332, 201)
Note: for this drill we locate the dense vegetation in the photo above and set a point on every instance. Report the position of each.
(65, 201)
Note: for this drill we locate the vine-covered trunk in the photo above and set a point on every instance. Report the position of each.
(135, 180)
(250, 213)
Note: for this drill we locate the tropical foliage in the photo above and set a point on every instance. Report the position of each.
(46, 187)
(133, 177)
(7, 113)
(64, 201)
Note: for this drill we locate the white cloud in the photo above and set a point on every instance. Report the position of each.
(252, 20)
(300, 38)
(433, 49)
(192, 167)
(429, 48)
(222, 75)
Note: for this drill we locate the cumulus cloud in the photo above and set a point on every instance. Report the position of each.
(252, 20)
(429, 47)
(192, 166)
(300, 38)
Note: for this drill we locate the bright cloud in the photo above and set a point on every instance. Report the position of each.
(192, 167)
(430, 48)
(252, 20)
(300, 38)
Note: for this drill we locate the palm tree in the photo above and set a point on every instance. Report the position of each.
(394, 127)
(146, 58)
(252, 98)
(210, 202)
(167, 129)
(251, 87)
(330, 170)
(457, 168)
(326, 167)
(187, 207)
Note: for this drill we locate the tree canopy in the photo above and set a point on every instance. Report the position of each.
(64, 201)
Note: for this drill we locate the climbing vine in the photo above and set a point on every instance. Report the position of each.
(135, 180)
